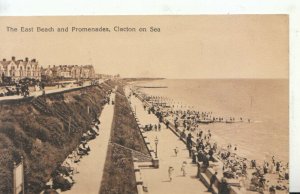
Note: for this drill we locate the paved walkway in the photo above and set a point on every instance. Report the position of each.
(50, 91)
(88, 180)
(157, 180)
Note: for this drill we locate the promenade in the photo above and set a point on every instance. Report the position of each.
(47, 91)
(157, 180)
(88, 180)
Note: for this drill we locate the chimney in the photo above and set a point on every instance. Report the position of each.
(4, 59)
(13, 58)
(26, 59)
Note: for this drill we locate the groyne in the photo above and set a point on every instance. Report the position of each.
(238, 173)
(44, 130)
(204, 173)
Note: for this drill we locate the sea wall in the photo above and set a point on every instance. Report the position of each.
(204, 174)
(44, 130)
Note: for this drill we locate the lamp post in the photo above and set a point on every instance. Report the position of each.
(156, 142)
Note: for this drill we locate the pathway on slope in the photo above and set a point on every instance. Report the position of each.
(157, 180)
(88, 180)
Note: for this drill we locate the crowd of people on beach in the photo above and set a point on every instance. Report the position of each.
(271, 175)
(189, 115)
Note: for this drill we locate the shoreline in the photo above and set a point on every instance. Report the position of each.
(269, 125)
(172, 127)
(217, 137)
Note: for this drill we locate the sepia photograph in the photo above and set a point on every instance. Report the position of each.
(177, 104)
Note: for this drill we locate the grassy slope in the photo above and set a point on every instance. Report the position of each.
(43, 140)
(118, 174)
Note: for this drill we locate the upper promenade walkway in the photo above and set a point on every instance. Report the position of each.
(157, 180)
(91, 167)
(47, 91)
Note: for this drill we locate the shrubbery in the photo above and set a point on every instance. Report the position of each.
(43, 140)
(119, 174)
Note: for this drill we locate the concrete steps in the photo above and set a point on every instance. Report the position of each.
(39, 105)
(141, 157)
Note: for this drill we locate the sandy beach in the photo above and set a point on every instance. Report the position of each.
(265, 102)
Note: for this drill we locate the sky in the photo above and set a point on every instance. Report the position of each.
(187, 47)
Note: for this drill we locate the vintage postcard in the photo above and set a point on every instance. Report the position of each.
(144, 104)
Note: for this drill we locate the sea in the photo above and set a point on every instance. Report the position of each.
(264, 101)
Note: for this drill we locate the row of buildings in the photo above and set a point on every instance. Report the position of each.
(70, 71)
(19, 69)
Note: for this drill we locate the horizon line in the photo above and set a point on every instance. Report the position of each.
(205, 78)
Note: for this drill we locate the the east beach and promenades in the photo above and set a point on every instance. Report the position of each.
(68, 129)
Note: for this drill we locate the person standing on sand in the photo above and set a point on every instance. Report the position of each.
(209, 133)
(200, 134)
(170, 171)
(277, 167)
(272, 168)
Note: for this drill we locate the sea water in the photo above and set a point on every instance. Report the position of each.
(263, 101)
